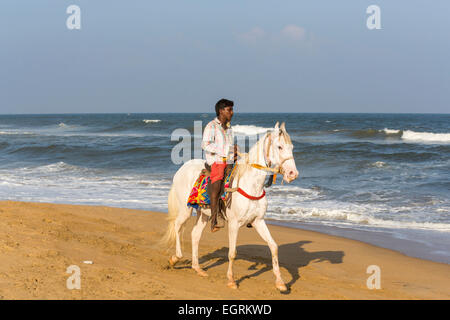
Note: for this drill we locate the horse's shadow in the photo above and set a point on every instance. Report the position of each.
(291, 256)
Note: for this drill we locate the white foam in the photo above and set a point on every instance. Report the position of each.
(378, 164)
(425, 136)
(413, 136)
(151, 120)
(249, 130)
(16, 132)
(390, 131)
(63, 183)
(293, 189)
(52, 168)
(349, 215)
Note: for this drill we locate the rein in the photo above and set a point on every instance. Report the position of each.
(249, 196)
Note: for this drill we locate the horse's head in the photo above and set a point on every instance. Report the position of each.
(280, 153)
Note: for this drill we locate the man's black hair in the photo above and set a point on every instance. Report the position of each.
(222, 103)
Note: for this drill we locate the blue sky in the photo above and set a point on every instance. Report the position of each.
(182, 56)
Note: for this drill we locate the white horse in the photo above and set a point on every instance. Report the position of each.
(273, 152)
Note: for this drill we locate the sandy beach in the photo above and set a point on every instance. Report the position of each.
(40, 241)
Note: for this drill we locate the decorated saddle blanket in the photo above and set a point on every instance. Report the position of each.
(199, 195)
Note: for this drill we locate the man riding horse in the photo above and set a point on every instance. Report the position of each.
(272, 153)
(218, 143)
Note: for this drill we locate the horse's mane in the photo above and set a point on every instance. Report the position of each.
(243, 164)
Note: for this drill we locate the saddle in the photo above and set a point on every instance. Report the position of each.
(199, 198)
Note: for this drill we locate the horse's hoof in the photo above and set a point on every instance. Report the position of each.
(173, 260)
(232, 285)
(201, 272)
(281, 286)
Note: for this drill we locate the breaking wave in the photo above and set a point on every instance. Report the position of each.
(403, 135)
(426, 136)
(249, 130)
(410, 135)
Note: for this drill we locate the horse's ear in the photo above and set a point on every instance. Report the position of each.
(276, 130)
(287, 138)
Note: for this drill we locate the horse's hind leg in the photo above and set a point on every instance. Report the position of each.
(179, 222)
(202, 221)
(263, 231)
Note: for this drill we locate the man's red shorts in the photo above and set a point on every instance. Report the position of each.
(217, 171)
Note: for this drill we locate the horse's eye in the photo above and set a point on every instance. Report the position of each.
(280, 147)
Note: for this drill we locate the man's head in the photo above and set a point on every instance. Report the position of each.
(224, 109)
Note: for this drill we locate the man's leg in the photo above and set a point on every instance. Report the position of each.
(217, 172)
(214, 199)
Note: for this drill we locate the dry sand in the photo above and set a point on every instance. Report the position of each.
(40, 241)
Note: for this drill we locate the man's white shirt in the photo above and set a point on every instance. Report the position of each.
(217, 142)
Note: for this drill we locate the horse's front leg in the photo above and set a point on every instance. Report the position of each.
(261, 228)
(233, 228)
(195, 235)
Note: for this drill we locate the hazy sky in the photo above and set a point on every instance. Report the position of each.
(182, 56)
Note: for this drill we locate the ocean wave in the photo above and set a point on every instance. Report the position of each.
(57, 167)
(16, 132)
(62, 125)
(405, 136)
(414, 136)
(349, 216)
(390, 131)
(249, 130)
(367, 133)
(425, 136)
(336, 152)
(282, 194)
(133, 125)
(61, 182)
(147, 150)
(378, 164)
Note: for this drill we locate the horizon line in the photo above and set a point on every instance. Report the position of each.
(129, 113)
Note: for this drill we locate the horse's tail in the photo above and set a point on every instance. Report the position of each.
(168, 240)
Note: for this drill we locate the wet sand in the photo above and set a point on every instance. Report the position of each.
(40, 241)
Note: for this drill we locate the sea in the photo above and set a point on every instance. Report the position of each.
(383, 179)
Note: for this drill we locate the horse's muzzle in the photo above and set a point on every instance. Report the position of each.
(290, 175)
